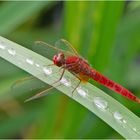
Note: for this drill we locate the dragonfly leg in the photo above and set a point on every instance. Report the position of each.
(21, 80)
(70, 66)
(60, 76)
(42, 93)
(77, 84)
(49, 65)
(25, 79)
(28, 78)
(76, 87)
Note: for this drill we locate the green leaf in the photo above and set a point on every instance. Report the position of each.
(13, 14)
(105, 107)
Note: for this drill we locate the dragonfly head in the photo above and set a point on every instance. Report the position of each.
(59, 59)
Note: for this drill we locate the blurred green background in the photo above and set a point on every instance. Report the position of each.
(107, 34)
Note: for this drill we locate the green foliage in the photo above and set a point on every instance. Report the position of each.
(105, 33)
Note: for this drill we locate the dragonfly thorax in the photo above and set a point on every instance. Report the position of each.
(59, 59)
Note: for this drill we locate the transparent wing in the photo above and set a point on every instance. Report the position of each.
(64, 81)
(41, 94)
(49, 51)
(45, 49)
(66, 46)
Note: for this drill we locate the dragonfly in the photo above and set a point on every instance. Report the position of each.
(67, 58)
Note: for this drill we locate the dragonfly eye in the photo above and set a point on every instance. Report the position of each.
(55, 59)
(59, 59)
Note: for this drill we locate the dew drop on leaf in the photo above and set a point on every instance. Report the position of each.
(83, 92)
(100, 103)
(2, 47)
(118, 116)
(12, 51)
(47, 71)
(65, 82)
(29, 61)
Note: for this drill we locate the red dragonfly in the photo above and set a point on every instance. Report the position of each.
(67, 58)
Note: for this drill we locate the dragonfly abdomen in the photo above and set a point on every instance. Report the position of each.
(113, 85)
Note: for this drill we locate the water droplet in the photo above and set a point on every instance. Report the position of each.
(65, 82)
(29, 61)
(37, 65)
(124, 121)
(118, 116)
(100, 103)
(135, 129)
(47, 71)
(2, 46)
(12, 51)
(82, 91)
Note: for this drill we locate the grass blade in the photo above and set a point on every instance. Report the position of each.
(105, 107)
